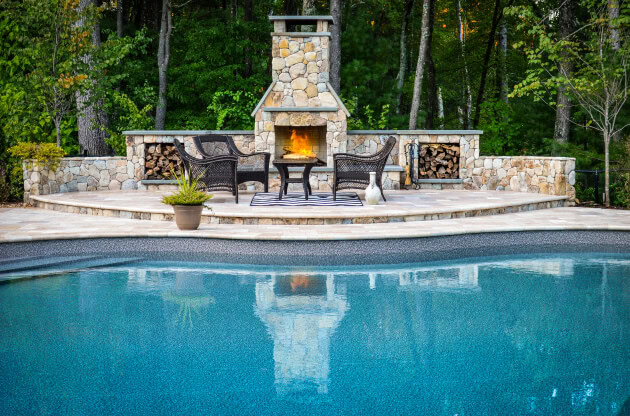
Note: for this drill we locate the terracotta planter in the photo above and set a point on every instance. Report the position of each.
(187, 217)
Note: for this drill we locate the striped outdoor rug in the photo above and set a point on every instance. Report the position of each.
(296, 199)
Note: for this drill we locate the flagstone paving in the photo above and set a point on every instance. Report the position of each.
(401, 206)
(29, 224)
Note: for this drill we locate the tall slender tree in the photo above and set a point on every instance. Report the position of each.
(163, 57)
(91, 118)
(336, 7)
(119, 18)
(425, 37)
(497, 15)
(566, 26)
(402, 67)
(465, 108)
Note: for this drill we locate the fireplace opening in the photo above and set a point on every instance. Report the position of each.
(300, 142)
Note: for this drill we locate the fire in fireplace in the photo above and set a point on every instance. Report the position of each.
(300, 142)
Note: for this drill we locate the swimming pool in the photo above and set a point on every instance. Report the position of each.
(540, 334)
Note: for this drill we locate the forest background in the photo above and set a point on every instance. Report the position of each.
(79, 72)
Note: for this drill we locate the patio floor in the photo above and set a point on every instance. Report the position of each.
(401, 206)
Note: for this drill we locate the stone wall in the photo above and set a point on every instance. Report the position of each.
(543, 175)
(546, 175)
(77, 174)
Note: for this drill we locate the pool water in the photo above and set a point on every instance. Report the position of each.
(536, 334)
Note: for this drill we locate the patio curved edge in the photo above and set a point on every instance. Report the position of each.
(101, 204)
(24, 225)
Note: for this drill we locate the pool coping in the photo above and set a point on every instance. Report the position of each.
(318, 252)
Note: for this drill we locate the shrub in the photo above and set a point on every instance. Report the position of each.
(43, 155)
(188, 192)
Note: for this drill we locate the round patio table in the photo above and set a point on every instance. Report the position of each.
(283, 167)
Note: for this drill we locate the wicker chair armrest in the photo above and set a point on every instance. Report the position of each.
(351, 156)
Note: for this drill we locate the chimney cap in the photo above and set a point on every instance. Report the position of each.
(304, 20)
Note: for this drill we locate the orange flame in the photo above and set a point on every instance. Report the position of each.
(300, 144)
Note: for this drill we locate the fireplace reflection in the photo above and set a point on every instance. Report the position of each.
(301, 312)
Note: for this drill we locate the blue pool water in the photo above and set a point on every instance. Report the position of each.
(538, 334)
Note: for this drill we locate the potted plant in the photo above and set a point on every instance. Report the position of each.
(187, 202)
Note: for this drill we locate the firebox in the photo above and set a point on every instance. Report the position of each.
(300, 142)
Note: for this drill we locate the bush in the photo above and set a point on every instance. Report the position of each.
(187, 193)
(43, 155)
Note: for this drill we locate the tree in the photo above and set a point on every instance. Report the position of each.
(91, 118)
(425, 37)
(465, 109)
(402, 68)
(56, 72)
(599, 81)
(497, 15)
(566, 26)
(335, 45)
(163, 57)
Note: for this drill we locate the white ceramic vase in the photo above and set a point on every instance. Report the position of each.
(372, 192)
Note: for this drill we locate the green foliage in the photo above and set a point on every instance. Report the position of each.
(130, 118)
(232, 109)
(364, 118)
(44, 155)
(188, 192)
(5, 187)
(500, 131)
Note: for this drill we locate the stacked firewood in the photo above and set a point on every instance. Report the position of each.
(438, 161)
(161, 160)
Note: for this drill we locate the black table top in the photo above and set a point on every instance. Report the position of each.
(298, 162)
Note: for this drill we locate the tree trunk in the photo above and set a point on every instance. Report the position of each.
(607, 168)
(563, 104)
(91, 119)
(163, 61)
(119, 18)
(496, 17)
(248, 10)
(440, 107)
(233, 9)
(613, 13)
(466, 109)
(432, 100)
(503, 76)
(427, 7)
(402, 69)
(336, 7)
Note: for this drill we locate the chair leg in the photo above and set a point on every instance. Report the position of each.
(236, 195)
(266, 184)
(382, 194)
(334, 192)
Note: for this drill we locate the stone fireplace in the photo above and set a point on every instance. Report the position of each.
(300, 97)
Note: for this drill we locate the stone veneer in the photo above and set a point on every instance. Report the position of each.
(77, 174)
(545, 175)
(542, 175)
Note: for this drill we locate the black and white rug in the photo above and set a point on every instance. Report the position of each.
(296, 199)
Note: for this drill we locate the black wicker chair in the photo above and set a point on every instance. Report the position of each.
(216, 173)
(251, 166)
(353, 171)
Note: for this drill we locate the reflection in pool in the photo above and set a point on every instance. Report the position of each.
(518, 335)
